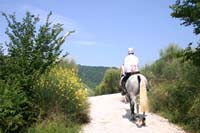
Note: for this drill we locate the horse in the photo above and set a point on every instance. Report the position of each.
(136, 87)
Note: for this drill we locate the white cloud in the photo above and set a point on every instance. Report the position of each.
(90, 43)
(68, 24)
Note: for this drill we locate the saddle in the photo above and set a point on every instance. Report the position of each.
(124, 79)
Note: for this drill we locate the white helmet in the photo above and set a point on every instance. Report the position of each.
(130, 51)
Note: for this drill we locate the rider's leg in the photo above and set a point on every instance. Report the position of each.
(125, 79)
(122, 85)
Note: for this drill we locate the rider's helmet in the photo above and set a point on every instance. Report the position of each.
(130, 51)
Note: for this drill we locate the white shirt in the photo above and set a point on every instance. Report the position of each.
(131, 63)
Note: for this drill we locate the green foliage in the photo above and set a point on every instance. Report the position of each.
(2, 60)
(62, 92)
(194, 114)
(110, 82)
(175, 88)
(192, 55)
(1, 50)
(16, 110)
(167, 67)
(172, 51)
(91, 75)
(29, 49)
(32, 50)
(189, 12)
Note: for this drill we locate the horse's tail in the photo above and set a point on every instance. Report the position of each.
(143, 96)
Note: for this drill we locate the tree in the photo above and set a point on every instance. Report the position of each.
(31, 51)
(1, 50)
(189, 12)
(2, 63)
(110, 82)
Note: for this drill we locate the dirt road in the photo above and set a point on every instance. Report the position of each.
(110, 114)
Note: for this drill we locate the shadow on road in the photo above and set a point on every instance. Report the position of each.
(132, 119)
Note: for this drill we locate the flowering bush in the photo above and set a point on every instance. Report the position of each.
(62, 91)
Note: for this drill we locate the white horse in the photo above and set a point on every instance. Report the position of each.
(136, 87)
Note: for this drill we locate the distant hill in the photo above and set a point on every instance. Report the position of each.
(91, 75)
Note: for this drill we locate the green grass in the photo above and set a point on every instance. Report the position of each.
(56, 125)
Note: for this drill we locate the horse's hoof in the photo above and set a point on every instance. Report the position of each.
(143, 122)
(139, 123)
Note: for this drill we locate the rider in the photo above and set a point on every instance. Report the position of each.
(130, 67)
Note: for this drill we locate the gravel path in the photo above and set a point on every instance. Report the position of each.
(110, 114)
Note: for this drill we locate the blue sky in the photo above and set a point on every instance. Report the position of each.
(105, 29)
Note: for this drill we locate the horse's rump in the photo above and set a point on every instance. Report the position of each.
(136, 85)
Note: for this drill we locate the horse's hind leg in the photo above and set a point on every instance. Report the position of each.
(132, 105)
(132, 108)
(133, 116)
(137, 107)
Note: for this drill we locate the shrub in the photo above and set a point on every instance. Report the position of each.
(175, 88)
(194, 114)
(62, 91)
(57, 124)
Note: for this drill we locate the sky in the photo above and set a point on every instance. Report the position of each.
(105, 29)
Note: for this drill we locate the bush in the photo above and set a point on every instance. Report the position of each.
(62, 91)
(16, 110)
(158, 97)
(175, 88)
